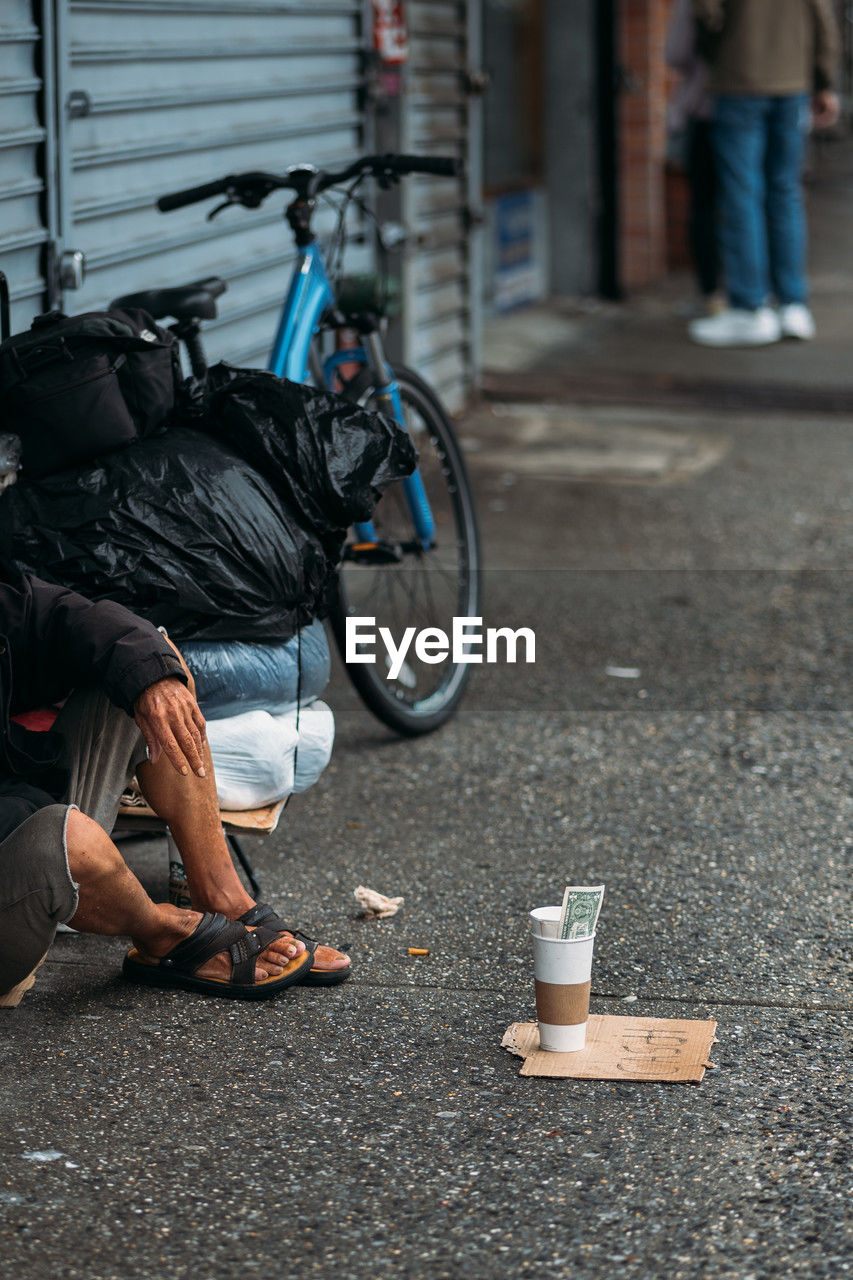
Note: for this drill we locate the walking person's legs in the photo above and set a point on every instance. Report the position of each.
(739, 134)
(787, 236)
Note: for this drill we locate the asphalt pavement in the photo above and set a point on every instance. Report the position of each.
(379, 1129)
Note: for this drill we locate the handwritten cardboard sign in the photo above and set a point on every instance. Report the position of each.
(662, 1049)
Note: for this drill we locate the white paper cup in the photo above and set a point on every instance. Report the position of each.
(545, 920)
(562, 968)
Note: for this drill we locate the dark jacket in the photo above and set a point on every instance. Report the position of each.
(51, 642)
(769, 47)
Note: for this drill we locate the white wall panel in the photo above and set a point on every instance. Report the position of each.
(23, 148)
(438, 320)
(163, 94)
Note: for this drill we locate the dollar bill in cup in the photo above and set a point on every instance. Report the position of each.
(580, 910)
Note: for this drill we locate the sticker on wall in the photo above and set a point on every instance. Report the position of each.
(390, 37)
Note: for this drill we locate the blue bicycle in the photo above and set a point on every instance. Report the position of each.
(417, 563)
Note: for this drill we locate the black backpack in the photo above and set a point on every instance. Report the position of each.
(74, 387)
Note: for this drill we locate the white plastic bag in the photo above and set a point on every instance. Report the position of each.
(316, 739)
(253, 754)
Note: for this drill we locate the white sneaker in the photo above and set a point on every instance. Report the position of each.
(737, 328)
(797, 321)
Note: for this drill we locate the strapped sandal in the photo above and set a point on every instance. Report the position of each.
(269, 925)
(213, 935)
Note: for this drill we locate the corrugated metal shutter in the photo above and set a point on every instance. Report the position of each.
(437, 319)
(164, 94)
(24, 146)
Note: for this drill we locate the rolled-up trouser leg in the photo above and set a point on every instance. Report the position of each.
(36, 892)
(103, 746)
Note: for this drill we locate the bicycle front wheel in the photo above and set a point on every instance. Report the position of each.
(402, 583)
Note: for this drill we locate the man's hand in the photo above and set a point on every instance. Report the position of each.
(171, 721)
(826, 108)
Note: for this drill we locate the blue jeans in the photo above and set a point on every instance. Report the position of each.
(759, 144)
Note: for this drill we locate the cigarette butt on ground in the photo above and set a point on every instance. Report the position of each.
(418, 951)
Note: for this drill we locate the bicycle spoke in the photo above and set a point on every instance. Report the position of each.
(428, 588)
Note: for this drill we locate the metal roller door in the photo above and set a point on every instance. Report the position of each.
(26, 151)
(440, 320)
(163, 94)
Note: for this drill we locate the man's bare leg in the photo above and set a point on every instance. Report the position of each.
(113, 902)
(190, 806)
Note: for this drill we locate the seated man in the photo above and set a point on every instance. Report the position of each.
(131, 709)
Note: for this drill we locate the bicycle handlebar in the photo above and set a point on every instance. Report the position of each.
(191, 195)
(441, 166)
(253, 188)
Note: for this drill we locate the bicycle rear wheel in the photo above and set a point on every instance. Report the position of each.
(403, 584)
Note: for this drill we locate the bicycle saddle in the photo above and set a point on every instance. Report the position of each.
(196, 301)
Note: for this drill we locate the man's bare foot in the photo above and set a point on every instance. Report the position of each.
(326, 959)
(181, 924)
(329, 960)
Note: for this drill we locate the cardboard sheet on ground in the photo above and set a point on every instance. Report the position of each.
(662, 1049)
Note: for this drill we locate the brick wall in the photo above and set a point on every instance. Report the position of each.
(642, 135)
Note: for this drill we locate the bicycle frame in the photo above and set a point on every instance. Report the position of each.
(308, 296)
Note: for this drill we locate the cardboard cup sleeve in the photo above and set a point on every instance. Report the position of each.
(562, 968)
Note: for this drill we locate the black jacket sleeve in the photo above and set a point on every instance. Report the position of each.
(60, 641)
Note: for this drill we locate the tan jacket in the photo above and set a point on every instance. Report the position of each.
(773, 47)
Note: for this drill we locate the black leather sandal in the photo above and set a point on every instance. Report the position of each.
(213, 935)
(270, 925)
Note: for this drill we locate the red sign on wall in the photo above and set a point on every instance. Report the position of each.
(390, 37)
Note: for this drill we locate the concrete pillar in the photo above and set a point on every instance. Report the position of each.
(642, 141)
(569, 90)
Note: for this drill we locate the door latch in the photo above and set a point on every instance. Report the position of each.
(72, 269)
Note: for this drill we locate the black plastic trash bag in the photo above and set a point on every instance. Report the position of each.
(179, 528)
(323, 462)
(207, 538)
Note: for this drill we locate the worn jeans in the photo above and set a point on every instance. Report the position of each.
(759, 144)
